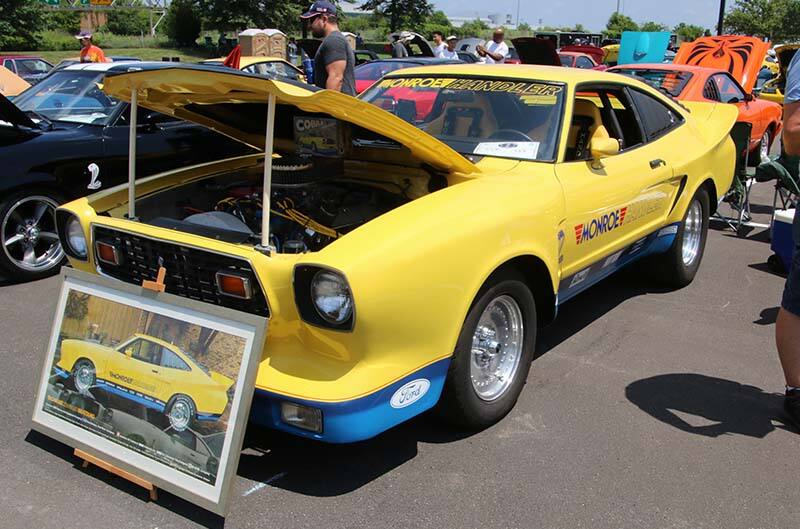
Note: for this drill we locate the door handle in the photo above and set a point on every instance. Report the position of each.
(658, 162)
(154, 371)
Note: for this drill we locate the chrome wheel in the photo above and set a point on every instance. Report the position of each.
(83, 374)
(28, 234)
(692, 233)
(763, 148)
(497, 343)
(180, 414)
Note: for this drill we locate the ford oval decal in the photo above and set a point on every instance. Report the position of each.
(410, 393)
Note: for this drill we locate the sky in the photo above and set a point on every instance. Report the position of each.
(593, 14)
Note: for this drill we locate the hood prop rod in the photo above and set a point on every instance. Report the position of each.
(134, 109)
(265, 247)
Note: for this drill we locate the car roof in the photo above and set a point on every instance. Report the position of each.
(511, 71)
(21, 57)
(672, 67)
(574, 54)
(121, 66)
(419, 60)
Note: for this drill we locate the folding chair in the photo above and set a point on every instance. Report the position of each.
(738, 196)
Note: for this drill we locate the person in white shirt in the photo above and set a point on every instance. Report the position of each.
(438, 43)
(450, 51)
(496, 51)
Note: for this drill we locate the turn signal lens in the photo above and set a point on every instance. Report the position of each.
(106, 253)
(304, 417)
(231, 284)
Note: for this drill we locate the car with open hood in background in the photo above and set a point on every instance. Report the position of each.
(774, 88)
(29, 67)
(409, 264)
(719, 69)
(64, 138)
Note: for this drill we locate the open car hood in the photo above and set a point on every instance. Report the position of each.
(10, 113)
(424, 46)
(534, 50)
(592, 51)
(740, 56)
(784, 55)
(643, 47)
(234, 103)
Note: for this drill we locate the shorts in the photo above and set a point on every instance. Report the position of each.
(791, 292)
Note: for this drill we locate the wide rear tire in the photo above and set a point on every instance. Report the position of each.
(678, 266)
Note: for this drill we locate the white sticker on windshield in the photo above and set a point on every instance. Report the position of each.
(526, 150)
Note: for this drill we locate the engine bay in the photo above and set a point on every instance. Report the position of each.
(312, 203)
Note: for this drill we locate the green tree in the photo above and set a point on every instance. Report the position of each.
(653, 26)
(182, 23)
(19, 21)
(777, 20)
(128, 21)
(232, 15)
(617, 23)
(476, 28)
(525, 27)
(438, 21)
(688, 32)
(61, 20)
(402, 14)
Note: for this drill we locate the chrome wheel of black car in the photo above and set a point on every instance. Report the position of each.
(28, 236)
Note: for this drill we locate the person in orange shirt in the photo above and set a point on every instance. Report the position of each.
(90, 52)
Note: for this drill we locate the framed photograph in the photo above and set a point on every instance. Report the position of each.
(155, 384)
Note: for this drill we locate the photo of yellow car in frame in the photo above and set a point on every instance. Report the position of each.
(150, 372)
(414, 269)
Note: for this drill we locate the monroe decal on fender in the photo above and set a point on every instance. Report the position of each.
(600, 225)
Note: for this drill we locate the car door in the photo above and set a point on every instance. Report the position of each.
(612, 204)
(143, 368)
(584, 62)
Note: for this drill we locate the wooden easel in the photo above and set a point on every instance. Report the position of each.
(157, 286)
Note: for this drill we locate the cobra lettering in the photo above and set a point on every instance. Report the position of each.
(600, 225)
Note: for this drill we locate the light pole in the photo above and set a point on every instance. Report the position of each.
(721, 16)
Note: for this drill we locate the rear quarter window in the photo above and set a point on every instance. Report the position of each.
(657, 118)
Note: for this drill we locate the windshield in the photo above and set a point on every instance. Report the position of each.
(671, 81)
(68, 95)
(489, 117)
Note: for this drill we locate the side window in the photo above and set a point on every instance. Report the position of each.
(132, 348)
(171, 360)
(728, 89)
(657, 118)
(710, 91)
(606, 108)
(584, 62)
(148, 352)
(8, 63)
(253, 68)
(154, 117)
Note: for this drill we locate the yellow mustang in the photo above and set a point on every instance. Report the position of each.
(150, 372)
(414, 269)
(774, 88)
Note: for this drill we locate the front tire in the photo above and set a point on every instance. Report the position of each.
(84, 376)
(180, 412)
(493, 354)
(678, 266)
(29, 245)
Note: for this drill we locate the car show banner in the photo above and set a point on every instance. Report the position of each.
(155, 384)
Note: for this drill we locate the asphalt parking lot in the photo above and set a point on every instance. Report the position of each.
(645, 408)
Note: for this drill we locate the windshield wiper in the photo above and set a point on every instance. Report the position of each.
(40, 117)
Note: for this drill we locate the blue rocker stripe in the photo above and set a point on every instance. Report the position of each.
(357, 419)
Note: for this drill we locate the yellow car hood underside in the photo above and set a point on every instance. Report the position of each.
(181, 91)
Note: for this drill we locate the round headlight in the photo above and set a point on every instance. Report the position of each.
(75, 238)
(331, 296)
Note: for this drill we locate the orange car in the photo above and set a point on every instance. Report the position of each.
(722, 69)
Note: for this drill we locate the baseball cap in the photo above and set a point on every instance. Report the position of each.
(320, 7)
(84, 35)
(451, 37)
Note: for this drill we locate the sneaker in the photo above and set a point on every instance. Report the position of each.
(791, 407)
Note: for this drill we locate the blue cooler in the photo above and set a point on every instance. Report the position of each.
(782, 243)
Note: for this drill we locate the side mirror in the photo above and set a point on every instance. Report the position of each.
(603, 147)
(749, 97)
(129, 352)
(149, 121)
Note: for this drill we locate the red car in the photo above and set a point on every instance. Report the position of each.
(369, 72)
(586, 57)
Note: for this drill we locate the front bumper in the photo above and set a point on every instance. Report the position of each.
(357, 419)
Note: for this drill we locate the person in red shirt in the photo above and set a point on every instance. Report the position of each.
(90, 52)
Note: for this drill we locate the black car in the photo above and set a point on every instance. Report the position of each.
(64, 138)
(369, 72)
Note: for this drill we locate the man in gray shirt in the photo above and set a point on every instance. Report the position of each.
(335, 60)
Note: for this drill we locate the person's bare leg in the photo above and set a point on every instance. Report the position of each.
(787, 338)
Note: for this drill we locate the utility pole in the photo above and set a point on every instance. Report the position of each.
(517, 13)
(721, 16)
